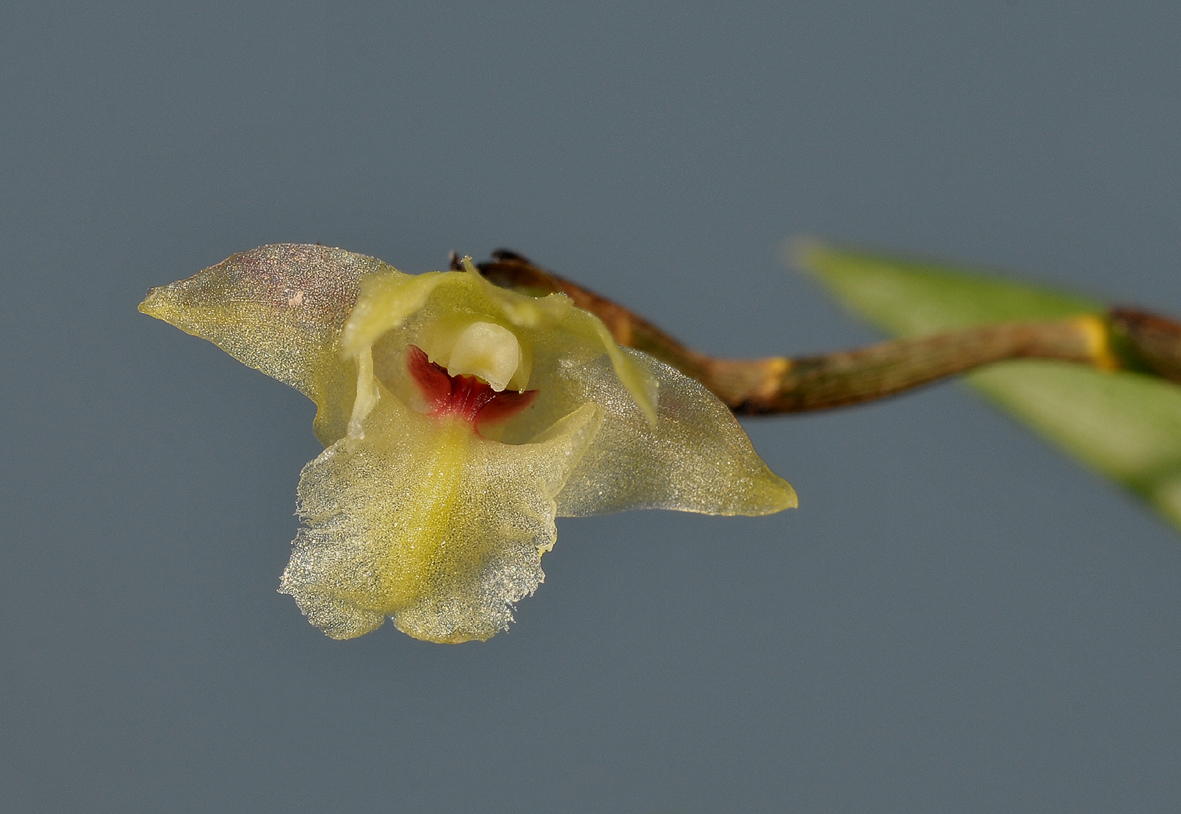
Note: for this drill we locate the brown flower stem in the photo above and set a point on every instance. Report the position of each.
(1151, 341)
(1124, 339)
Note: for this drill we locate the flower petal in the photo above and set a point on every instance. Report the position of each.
(279, 309)
(428, 522)
(696, 458)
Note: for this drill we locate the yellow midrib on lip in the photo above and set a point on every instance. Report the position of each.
(420, 531)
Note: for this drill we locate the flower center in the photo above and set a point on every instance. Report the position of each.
(465, 397)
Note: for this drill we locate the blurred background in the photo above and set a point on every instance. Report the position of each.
(957, 617)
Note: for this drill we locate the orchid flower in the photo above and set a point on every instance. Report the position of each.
(459, 420)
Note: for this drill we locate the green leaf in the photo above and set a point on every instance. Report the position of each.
(1124, 425)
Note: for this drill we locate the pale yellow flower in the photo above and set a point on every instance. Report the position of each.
(460, 419)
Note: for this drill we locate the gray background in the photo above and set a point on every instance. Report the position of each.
(956, 619)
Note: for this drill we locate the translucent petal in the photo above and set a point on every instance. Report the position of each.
(386, 301)
(279, 309)
(697, 458)
(428, 522)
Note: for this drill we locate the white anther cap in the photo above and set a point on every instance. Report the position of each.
(488, 351)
